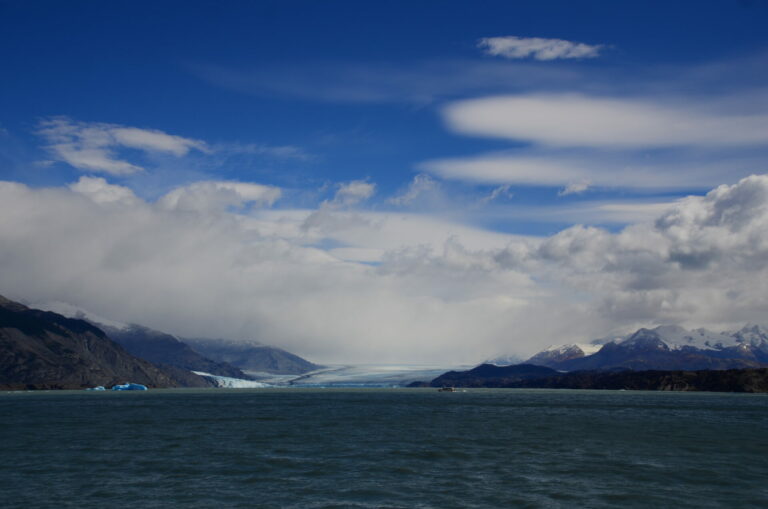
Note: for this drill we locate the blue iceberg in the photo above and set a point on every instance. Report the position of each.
(97, 388)
(128, 386)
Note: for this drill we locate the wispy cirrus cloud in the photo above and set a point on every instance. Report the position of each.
(574, 188)
(421, 83)
(538, 48)
(262, 149)
(95, 146)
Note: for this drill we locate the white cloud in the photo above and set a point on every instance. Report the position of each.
(225, 274)
(503, 168)
(93, 146)
(152, 140)
(352, 193)
(420, 185)
(702, 261)
(569, 120)
(595, 212)
(100, 191)
(538, 48)
(328, 218)
(495, 193)
(574, 188)
(439, 292)
(597, 168)
(218, 195)
(377, 232)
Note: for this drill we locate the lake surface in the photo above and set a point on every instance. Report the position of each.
(397, 448)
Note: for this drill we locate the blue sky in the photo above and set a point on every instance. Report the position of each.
(357, 87)
(478, 124)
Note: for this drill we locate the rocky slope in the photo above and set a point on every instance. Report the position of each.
(45, 350)
(220, 357)
(167, 350)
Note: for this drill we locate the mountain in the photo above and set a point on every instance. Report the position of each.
(664, 348)
(505, 360)
(167, 350)
(218, 357)
(522, 376)
(556, 355)
(45, 350)
(488, 375)
(727, 380)
(252, 357)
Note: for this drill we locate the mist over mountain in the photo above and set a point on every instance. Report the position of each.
(663, 358)
(220, 357)
(168, 350)
(45, 350)
(252, 356)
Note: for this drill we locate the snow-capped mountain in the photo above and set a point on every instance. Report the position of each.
(664, 347)
(505, 360)
(753, 335)
(558, 354)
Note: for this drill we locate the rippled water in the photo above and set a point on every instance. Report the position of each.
(404, 448)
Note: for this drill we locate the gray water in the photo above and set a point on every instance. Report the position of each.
(406, 448)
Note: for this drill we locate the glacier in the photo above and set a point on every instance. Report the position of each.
(227, 382)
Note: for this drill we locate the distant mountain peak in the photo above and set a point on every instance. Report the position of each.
(645, 339)
(754, 328)
(555, 355)
(666, 347)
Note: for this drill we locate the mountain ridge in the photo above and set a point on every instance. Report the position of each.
(666, 347)
(220, 357)
(45, 350)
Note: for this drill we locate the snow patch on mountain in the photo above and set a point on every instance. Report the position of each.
(750, 343)
(504, 360)
(676, 337)
(752, 334)
(586, 348)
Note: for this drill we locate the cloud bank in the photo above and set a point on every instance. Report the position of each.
(439, 292)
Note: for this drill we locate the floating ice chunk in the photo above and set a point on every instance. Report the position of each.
(128, 386)
(97, 388)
